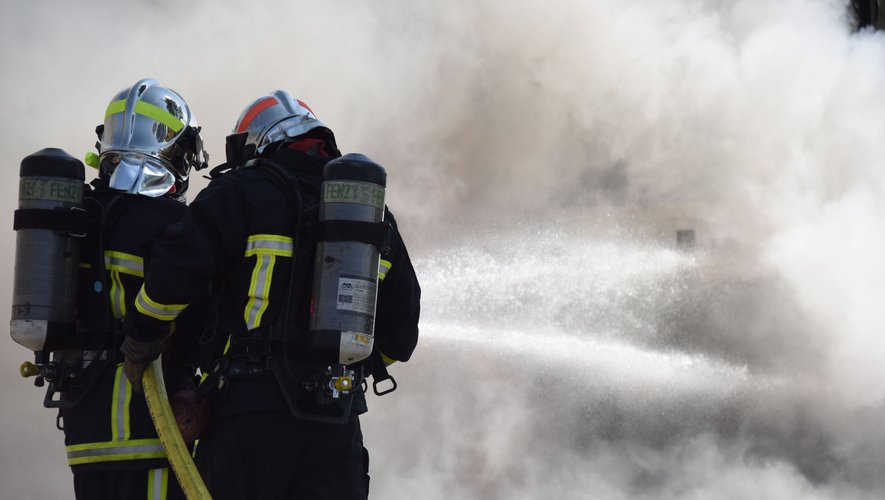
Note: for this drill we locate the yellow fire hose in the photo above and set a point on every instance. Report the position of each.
(167, 428)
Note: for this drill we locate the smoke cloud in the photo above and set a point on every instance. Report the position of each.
(542, 157)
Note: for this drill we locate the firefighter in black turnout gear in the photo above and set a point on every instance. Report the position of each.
(148, 143)
(285, 422)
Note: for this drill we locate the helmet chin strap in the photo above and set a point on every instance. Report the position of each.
(192, 143)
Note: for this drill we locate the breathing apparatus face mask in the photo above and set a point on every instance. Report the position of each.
(137, 173)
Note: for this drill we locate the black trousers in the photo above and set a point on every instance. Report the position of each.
(152, 484)
(271, 455)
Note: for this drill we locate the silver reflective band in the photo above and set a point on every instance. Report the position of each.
(141, 174)
(269, 244)
(259, 290)
(118, 295)
(120, 406)
(265, 248)
(124, 263)
(109, 452)
(383, 268)
(162, 312)
(157, 483)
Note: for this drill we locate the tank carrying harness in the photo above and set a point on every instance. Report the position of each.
(377, 234)
(73, 220)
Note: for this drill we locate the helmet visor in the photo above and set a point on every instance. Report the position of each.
(290, 127)
(139, 174)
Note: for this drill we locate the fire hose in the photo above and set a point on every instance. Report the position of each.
(167, 429)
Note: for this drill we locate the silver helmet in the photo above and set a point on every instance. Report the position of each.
(277, 117)
(149, 141)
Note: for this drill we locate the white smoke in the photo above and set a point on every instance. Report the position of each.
(541, 157)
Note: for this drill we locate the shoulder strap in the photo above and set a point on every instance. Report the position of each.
(291, 187)
(102, 215)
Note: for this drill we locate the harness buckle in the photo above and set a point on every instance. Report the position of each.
(254, 349)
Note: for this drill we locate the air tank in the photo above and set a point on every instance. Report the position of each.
(343, 301)
(50, 223)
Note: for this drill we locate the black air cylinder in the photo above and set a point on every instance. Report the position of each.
(49, 224)
(342, 320)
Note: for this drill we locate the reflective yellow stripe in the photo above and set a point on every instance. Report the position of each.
(125, 263)
(149, 110)
(118, 263)
(383, 268)
(259, 290)
(118, 295)
(158, 483)
(269, 244)
(387, 361)
(265, 248)
(113, 451)
(159, 114)
(164, 312)
(230, 338)
(115, 107)
(120, 406)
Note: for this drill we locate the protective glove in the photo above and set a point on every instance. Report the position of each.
(192, 413)
(139, 355)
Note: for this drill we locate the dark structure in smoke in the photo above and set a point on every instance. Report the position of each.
(868, 13)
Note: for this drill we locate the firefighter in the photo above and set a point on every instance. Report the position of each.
(147, 146)
(252, 234)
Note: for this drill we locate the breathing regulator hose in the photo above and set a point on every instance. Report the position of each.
(167, 428)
